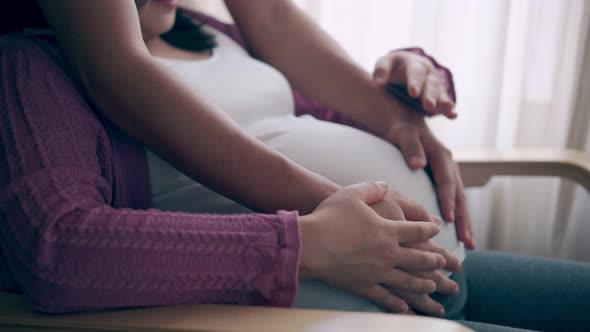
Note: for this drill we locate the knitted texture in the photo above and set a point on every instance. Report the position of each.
(70, 247)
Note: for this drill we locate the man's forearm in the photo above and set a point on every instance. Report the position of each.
(205, 143)
(283, 36)
(148, 101)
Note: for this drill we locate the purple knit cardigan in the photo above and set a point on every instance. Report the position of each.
(76, 231)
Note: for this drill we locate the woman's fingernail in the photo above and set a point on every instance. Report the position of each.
(441, 311)
(431, 287)
(437, 220)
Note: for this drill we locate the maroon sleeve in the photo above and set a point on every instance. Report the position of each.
(304, 105)
(70, 250)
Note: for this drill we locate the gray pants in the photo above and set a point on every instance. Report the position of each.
(499, 292)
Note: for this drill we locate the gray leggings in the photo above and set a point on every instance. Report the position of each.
(499, 292)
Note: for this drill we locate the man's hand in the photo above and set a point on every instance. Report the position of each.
(409, 131)
(420, 148)
(422, 80)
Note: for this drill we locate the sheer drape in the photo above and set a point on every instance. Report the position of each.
(517, 66)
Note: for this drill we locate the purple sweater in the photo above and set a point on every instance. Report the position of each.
(74, 226)
(76, 231)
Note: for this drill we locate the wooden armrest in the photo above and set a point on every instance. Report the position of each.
(16, 316)
(477, 167)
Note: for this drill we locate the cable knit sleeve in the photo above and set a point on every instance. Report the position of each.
(70, 250)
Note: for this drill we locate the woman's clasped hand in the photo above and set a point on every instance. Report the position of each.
(391, 261)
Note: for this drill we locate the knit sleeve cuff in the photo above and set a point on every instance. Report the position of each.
(287, 266)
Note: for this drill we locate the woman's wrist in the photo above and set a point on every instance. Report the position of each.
(373, 107)
(390, 114)
(306, 189)
(306, 230)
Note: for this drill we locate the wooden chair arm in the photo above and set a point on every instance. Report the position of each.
(477, 167)
(15, 315)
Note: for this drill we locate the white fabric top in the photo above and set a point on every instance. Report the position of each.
(243, 87)
(259, 99)
(251, 92)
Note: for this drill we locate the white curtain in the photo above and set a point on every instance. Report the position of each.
(517, 68)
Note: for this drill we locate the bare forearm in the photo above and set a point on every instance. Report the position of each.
(312, 61)
(201, 140)
(141, 96)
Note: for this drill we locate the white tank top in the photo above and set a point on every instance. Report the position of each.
(231, 79)
(249, 91)
(259, 99)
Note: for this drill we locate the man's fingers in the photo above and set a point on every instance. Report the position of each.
(444, 171)
(451, 194)
(420, 77)
(389, 70)
(403, 281)
(453, 263)
(411, 146)
(446, 193)
(437, 96)
(381, 296)
(464, 227)
(416, 73)
(415, 231)
(419, 260)
(383, 70)
(431, 94)
(445, 105)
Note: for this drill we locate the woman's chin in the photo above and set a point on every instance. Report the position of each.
(154, 26)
